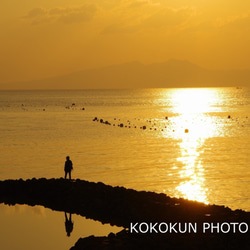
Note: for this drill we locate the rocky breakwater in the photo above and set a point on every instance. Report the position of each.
(149, 219)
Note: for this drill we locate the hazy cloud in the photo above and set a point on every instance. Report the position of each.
(240, 21)
(68, 15)
(136, 4)
(168, 17)
(36, 12)
(144, 15)
(231, 24)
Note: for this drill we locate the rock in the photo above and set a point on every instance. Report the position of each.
(120, 206)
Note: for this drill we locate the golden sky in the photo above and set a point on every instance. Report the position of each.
(44, 38)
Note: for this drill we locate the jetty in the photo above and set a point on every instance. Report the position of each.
(150, 220)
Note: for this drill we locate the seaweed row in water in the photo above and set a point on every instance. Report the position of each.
(150, 124)
(166, 123)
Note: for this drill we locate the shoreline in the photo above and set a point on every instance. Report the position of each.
(148, 218)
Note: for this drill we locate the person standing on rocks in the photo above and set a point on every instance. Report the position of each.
(68, 167)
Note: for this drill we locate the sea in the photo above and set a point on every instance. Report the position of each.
(192, 143)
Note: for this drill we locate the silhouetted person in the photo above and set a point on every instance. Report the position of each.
(68, 224)
(68, 167)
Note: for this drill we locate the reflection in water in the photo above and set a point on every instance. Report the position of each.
(192, 175)
(68, 224)
(36, 227)
(192, 128)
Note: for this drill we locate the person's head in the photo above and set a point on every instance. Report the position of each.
(67, 157)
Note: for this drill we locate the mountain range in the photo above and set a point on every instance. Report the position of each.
(173, 73)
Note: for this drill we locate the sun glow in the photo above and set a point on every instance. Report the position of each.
(192, 126)
(193, 101)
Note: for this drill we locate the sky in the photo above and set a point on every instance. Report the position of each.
(46, 38)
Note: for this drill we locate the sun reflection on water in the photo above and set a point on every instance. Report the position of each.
(193, 126)
(192, 185)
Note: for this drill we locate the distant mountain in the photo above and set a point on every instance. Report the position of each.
(173, 73)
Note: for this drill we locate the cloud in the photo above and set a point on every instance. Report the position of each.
(168, 17)
(126, 16)
(138, 4)
(36, 12)
(222, 26)
(145, 15)
(82, 14)
(68, 15)
(238, 22)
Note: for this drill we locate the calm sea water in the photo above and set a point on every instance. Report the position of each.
(195, 144)
(209, 162)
